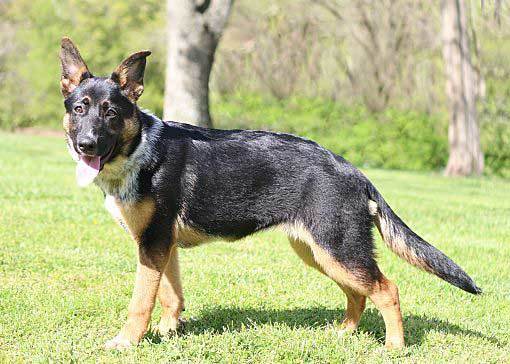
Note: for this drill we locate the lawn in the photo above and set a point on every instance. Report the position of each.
(67, 270)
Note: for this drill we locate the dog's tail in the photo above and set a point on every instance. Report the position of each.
(409, 246)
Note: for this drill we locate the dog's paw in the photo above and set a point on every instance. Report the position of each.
(118, 343)
(345, 331)
(396, 344)
(169, 327)
(345, 328)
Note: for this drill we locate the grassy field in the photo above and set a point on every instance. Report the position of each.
(66, 273)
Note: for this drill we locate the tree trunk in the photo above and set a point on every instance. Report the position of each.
(466, 156)
(193, 28)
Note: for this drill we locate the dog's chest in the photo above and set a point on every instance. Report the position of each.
(134, 217)
(119, 178)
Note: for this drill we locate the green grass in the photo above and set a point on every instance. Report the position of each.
(66, 273)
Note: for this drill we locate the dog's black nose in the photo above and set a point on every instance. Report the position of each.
(87, 145)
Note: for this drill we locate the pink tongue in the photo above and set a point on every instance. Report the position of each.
(87, 169)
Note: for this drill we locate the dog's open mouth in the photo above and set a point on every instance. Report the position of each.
(88, 167)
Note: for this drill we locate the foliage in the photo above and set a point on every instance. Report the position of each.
(334, 72)
(495, 141)
(105, 32)
(392, 139)
(395, 139)
(67, 272)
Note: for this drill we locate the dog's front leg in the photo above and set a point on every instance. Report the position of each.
(151, 263)
(170, 295)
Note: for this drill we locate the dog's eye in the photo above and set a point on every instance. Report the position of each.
(110, 113)
(78, 109)
(85, 101)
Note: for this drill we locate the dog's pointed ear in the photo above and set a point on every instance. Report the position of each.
(129, 75)
(74, 69)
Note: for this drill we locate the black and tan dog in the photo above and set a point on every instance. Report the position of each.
(175, 185)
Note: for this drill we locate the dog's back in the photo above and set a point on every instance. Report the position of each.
(173, 184)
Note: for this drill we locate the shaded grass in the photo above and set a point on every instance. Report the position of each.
(66, 274)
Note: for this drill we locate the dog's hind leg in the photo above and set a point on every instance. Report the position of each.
(371, 283)
(360, 283)
(384, 295)
(170, 295)
(355, 308)
(358, 278)
(355, 301)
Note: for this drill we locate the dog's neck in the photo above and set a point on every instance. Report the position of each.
(119, 177)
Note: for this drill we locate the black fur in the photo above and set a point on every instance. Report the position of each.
(91, 92)
(436, 261)
(233, 183)
(173, 183)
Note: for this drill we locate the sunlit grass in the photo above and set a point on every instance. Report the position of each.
(66, 274)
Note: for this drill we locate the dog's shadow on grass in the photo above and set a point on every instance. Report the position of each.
(221, 319)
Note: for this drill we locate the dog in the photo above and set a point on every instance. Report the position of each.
(173, 185)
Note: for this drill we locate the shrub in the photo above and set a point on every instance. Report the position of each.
(495, 142)
(392, 139)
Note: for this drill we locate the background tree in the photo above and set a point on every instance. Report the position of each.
(380, 41)
(363, 78)
(194, 29)
(466, 155)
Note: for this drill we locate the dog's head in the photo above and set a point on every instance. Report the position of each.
(100, 119)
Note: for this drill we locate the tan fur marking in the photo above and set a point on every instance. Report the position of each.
(355, 301)
(355, 308)
(187, 236)
(327, 263)
(122, 72)
(130, 74)
(66, 86)
(129, 132)
(117, 176)
(135, 215)
(66, 122)
(305, 253)
(385, 297)
(397, 244)
(372, 207)
(170, 295)
(76, 73)
(338, 273)
(74, 77)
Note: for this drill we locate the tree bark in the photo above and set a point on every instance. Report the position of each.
(466, 156)
(194, 29)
